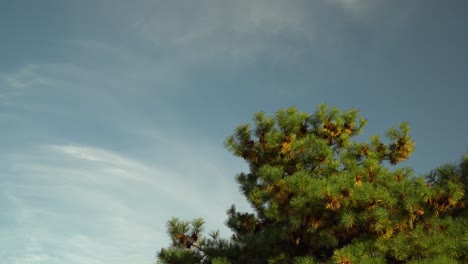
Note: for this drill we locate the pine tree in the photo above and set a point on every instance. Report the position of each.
(319, 196)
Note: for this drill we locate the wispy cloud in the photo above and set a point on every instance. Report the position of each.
(354, 6)
(26, 77)
(81, 204)
(94, 154)
(16, 83)
(228, 31)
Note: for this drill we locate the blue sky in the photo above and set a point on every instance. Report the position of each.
(114, 113)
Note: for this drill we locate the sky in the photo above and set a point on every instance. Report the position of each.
(114, 113)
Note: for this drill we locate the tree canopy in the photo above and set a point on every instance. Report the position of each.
(320, 196)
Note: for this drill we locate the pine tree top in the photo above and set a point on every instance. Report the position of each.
(320, 196)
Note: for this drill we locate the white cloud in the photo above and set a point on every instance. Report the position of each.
(26, 77)
(382, 15)
(354, 6)
(358, 9)
(82, 204)
(94, 154)
(160, 179)
(39, 78)
(16, 83)
(226, 30)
